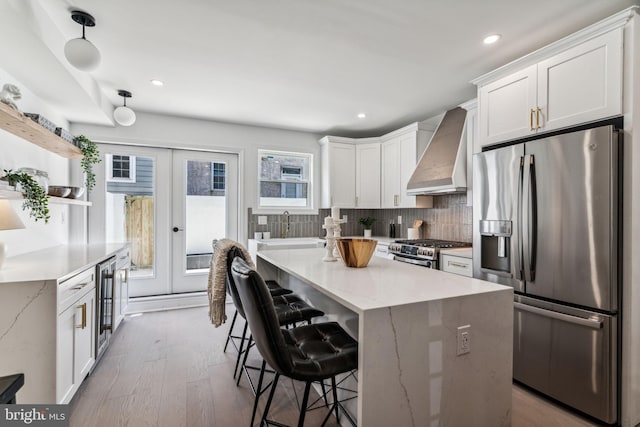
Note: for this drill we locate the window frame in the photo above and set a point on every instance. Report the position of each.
(309, 181)
(132, 169)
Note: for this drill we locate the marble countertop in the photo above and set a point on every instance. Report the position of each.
(383, 283)
(461, 252)
(56, 263)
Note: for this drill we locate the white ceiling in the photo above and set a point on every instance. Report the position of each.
(296, 64)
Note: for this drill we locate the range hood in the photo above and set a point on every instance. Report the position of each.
(443, 165)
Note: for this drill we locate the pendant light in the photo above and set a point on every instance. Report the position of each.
(124, 115)
(81, 53)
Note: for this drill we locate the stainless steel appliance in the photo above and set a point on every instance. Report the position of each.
(422, 252)
(546, 223)
(104, 323)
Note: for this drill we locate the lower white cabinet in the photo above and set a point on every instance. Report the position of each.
(75, 341)
(456, 265)
(121, 286)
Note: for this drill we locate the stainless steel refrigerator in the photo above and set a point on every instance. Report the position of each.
(545, 221)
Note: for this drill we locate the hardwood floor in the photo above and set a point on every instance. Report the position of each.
(168, 369)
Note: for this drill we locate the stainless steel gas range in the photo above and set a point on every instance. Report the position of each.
(422, 252)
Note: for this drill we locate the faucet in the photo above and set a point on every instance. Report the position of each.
(283, 230)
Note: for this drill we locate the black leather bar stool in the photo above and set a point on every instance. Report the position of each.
(306, 353)
(290, 309)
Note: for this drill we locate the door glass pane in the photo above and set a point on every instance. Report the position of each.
(205, 210)
(130, 214)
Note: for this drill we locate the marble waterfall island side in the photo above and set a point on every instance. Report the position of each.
(406, 320)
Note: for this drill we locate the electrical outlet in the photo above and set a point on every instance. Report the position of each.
(399, 219)
(464, 340)
(345, 217)
(262, 220)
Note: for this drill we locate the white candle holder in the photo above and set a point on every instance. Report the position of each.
(330, 226)
(337, 233)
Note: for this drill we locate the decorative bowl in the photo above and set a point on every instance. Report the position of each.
(356, 252)
(75, 192)
(58, 190)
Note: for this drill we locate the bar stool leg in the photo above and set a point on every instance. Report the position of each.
(303, 406)
(233, 322)
(258, 393)
(244, 360)
(263, 421)
(244, 334)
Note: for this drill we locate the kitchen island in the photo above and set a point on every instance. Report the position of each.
(406, 320)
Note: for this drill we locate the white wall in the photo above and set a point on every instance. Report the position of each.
(186, 133)
(16, 153)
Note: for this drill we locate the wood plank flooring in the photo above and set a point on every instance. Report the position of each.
(168, 369)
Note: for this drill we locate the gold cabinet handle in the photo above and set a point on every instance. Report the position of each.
(395, 200)
(80, 286)
(84, 316)
(531, 111)
(538, 118)
(356, 200)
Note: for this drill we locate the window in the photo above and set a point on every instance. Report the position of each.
(218, 176)
(284, 179)
(121, 168)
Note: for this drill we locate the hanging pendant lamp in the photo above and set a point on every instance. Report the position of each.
(81, 53)
(124, 115)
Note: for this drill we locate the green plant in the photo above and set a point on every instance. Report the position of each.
(90, 156)
(35, 198)
(367, 222)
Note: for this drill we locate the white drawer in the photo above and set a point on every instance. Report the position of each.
(457, 265)
(70, 290)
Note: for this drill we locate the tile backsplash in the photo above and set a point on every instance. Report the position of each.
(449, 219)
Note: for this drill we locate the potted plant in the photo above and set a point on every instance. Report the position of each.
(367, 222)
(35, 198)
(90, 156)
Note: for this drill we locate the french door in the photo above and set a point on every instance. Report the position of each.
(205, 200)
(169, 204)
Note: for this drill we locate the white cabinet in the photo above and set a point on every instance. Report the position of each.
(580, 84)
(399, 157)
(338, 174)
(75, 340)
(350, 172)
(121, 287)
(368, 175)
(456, 265)
(473, 146)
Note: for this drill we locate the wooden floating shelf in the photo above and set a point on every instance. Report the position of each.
(27, 129)
(17, 195)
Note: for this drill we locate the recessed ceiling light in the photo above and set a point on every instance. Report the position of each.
(362, 115)
(157, 82)
(491, 39)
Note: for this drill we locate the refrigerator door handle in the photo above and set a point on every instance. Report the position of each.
(589, 323)
(516, 246)
(529, 218)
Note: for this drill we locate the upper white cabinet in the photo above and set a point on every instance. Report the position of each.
(579, 84)
(338, 172)
(350, 172)
(368, 175)
(400, 152)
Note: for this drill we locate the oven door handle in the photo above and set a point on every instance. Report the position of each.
(422, 263)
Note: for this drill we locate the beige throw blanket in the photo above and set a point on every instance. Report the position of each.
(217, 278)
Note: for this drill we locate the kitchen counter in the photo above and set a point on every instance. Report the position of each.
(383, 283)
(56, 263)
(406, 321)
